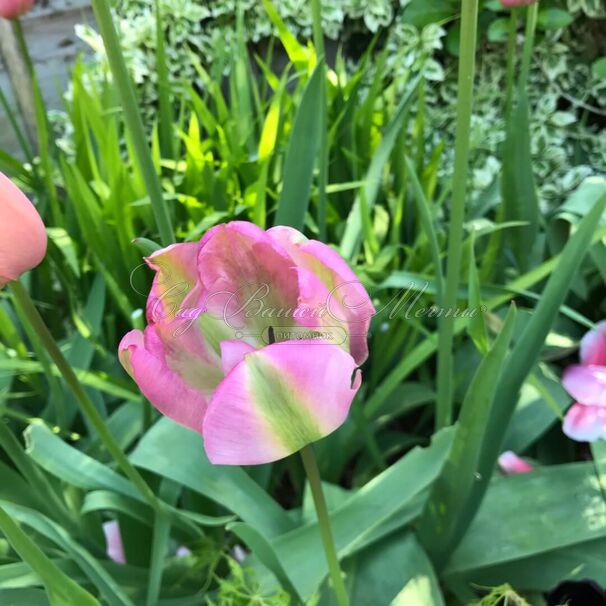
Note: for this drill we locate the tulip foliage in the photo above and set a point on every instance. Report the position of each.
(265, 271)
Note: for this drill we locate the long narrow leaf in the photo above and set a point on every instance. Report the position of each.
(301, 155)
(61, 590)
(439, 529)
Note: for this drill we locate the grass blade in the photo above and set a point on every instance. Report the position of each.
(301, 155)
(518, 187)
(61, 590)
(350, 243)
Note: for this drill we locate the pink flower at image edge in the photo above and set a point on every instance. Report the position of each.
(22, 233)
(12, 9)
(585, 421)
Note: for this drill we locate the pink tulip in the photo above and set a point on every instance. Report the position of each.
(510, 463)
(253, 339)
(12, 9)
(514, 3)
(22, 233)
(585, 421)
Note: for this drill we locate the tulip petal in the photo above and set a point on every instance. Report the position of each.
(586, 384)
(176, 277)
(585, 423)
(510, 463)
(232, 353)
(188, 338)
(277, 400)
(247, 280)
(593, 346)
(22, 234)
(113, 541)
(345, 298)
(144, 358)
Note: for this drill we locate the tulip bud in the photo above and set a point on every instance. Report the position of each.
(22, 233)
(516, 3)
(12, 9)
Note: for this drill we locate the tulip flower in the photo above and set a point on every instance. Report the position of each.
(22, 233)
(12, 9)
(510, 463)
(585, 421)
(516, 3)
(254, 339)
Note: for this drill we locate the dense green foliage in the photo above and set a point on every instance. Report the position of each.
(419, 516)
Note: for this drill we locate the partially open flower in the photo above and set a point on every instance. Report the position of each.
(12, 9)
(22, 233)
(253, 339)
(585, 421)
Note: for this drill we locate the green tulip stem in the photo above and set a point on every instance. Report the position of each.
(467, 61)
(313, 477)
(23, 300)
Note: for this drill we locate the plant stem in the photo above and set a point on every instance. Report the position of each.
(511, 59)
(313, 477)
(316, 11)
(132, 118)
(469, 25)
(92, 414)
(531, 26)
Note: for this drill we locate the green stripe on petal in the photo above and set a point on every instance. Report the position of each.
(277, 400)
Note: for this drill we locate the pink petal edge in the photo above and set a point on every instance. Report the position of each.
(585, 423)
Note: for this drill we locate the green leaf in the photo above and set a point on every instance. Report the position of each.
(440, 527)
(554, 18)
(518, 186)
(165, 113)
(544, 571)
(301, 155)
(498, 30)
(520, 512)
(423, 12)
(62, 240)
(23, 597)
(477, 323)
(71, 465)
(598, 68)
(174, 452)
(296, 52)
(62, 591)
(395, 571)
